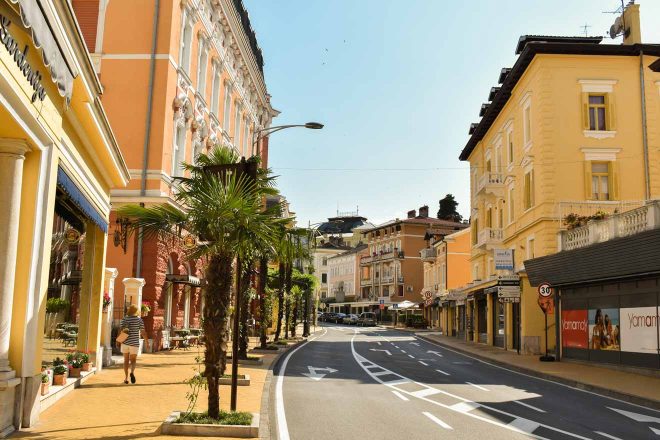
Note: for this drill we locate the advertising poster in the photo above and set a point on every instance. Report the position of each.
(604, 329)
(574, 329)
(639, 332)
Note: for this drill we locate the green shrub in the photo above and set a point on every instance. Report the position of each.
(55, 305)
(226, 418)
(59, 369)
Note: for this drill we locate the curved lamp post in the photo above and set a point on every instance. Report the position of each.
(264, 132)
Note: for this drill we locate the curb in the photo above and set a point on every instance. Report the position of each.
(630, 398)
(266, 394)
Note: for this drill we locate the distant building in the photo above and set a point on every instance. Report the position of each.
(344, 293)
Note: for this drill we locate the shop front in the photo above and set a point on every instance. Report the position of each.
(58, 161)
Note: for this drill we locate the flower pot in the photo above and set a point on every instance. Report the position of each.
(45, 387)
(87, 366)
(74, 372)
(59, 379)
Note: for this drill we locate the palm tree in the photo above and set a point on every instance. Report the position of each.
(290, 249)
(225, 211)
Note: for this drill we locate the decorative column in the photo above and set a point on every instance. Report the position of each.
(133, 295)
(106, 323)
(12, 155)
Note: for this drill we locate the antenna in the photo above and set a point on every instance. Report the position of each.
(619, 26)
(585, 28)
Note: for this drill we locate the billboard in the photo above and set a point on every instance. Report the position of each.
(574, 329)
(639, 330)
(604, 329)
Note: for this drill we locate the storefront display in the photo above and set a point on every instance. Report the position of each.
(574, 329)
(640, 330)
(604, 329)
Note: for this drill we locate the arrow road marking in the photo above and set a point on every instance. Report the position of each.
(316, 376)
(434, 352)
(636, 417)
(415, 343)
(386, 351)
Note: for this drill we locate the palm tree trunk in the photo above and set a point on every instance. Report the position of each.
(280, 301)
(294, 317)
(306, 314)
(216, 311)
(263, 319)
(244, 333)
(289, 273)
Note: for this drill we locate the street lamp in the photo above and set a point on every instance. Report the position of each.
(259, 134)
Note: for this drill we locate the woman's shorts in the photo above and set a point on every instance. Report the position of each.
(130, 349)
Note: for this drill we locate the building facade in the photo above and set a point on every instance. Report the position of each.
(344, 281)
(196, 83)
(59, 160)
(569, 124)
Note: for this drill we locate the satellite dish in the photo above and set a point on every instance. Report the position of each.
(617, 28)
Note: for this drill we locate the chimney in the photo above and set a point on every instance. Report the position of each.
(632, 30)
(412, 214)
(424, 211)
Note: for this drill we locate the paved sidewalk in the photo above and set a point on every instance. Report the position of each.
(105, 408)
(635, 388)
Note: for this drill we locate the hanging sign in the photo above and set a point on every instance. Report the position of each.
(72, 236)
(189, 242)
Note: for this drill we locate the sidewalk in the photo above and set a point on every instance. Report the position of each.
(105, 408)
(631, 387)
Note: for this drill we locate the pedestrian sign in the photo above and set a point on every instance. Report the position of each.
(381, 302)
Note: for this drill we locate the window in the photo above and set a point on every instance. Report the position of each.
(215, 90)
(201, 67)
(227, 107)
(489, 217)
(528, 196)
(489, 167)
(530, 248)
(509, 143)
(600, 180)
(475, 230)
(246, 144)
(511, 203)
(324, 262)
(597, 115)
(527, 125)
(237, 125)
(186, 42)
(179, 151)
(324, 278)
(500, 216)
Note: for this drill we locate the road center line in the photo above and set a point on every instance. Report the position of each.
(443, 372)
(400, 396)
(437, 420)
(411, 356)
(528, 406)
(606, 435)
(477, 386)
(403, 351)
(424, 363)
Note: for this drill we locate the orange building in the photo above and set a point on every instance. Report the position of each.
(179, 80)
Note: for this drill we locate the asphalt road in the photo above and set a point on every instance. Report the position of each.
(378, 383)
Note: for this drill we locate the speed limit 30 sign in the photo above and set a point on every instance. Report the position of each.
(545, 290)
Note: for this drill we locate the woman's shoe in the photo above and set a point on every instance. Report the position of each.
(132, 378)
(125, 382)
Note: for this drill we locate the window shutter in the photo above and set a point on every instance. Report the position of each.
(588, 195)
(613, 180)
(585, 111)
(531, 188)
(610, 112)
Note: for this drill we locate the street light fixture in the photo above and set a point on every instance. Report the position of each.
(259, 134)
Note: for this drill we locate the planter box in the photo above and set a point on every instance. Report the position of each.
(265, 350)
(247, 361)
(74, 372)
(59, 379)
(87, 366)
(187, 429)
(45, 388)
(242, 382)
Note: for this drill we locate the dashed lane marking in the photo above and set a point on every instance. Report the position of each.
(477, 386)
(424, 363)
(411, 356)
(529, 406)
(403, 351)
(425, 392)
(443, 372)
(437, 420)
(400, 396)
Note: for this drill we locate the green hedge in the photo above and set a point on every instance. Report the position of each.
(55, 305)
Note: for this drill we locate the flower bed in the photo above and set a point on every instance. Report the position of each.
(239, 424)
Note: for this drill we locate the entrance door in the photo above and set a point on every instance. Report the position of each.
(515, 321)
(498, 322)
(482, 323)
(460, 323)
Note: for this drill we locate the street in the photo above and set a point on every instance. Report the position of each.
(353, 382)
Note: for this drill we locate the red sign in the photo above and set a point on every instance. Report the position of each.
(574, 329)
(382, 306)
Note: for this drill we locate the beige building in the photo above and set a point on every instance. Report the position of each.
(344, 293)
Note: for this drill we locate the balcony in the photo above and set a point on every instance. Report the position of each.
(491, 183)
(489, 237)
(586, 208)
(366, 282)
(623, 224)
(383, 256)
(386, 279)
(428, 254)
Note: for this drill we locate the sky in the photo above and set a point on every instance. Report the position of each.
(397, 84)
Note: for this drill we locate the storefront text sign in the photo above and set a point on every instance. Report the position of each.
(574, 328)
(503, 259)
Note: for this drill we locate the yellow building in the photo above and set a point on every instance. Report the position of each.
(570, 129)
(58, 161)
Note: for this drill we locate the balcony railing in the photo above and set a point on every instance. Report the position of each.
(623, 224)
(383, 256)
(491, 183)
(586, 208)
(428, 254)
(489, 237)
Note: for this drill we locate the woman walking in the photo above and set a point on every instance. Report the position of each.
(132, 325)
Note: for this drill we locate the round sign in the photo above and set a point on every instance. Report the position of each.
(428, 294)
(545, 290)
(72, 236)
(189, 242)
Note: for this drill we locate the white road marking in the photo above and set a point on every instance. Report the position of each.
(279, 401)
(434, 352)
(524, 425)
(378, 349)
(655, 431)
(382, 373)
(394, 383)
(464, 407)
(403, 351)
(528, 406)
(437, 420)
(425, 392)
(477, 386)
(411, 356)
(636, 417)
(400, 396)
(378, 342)
(415, 343)
(395, 346)
(443, 372)
(604, 434)
(424, 363)
(316, 376)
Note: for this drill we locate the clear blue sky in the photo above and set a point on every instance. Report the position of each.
(397, 84)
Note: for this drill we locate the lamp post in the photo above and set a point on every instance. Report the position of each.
(264, 132)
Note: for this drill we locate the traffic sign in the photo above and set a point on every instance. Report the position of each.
(427, 294)
(381, 302)
(545, 290)
(395, 306)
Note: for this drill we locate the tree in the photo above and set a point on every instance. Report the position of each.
(448, 210)
(225, 212)
(291, 248)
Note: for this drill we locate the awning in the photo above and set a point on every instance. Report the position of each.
(188, 280)
(80, 200)
(403, 305)
(61, 73)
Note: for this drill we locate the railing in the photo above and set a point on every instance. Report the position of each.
(490, 181)
(428, 254)
(366, 282)
(622, 224)
(368, 259)
(489, 236)
(586, 208)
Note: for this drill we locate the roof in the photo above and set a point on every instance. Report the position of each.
(341, 225)
(355, 250)
(524, 39)
(430, 221)
(535, 45)
(622, 257)
(332, 246)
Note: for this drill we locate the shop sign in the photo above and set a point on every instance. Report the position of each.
(574, 329)
(604, 329)
(639, 332)
(503, 259)
(32, 76)
(72, 236)
(189, 242)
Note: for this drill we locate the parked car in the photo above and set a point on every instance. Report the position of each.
(366, 318)
(338, 318)
(327, 317)
(350, 319)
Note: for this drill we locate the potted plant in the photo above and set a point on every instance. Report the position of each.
(145, 309)
(87, 365)
(106, 302)
(45, 383)
(59, 374)
(75, 366)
